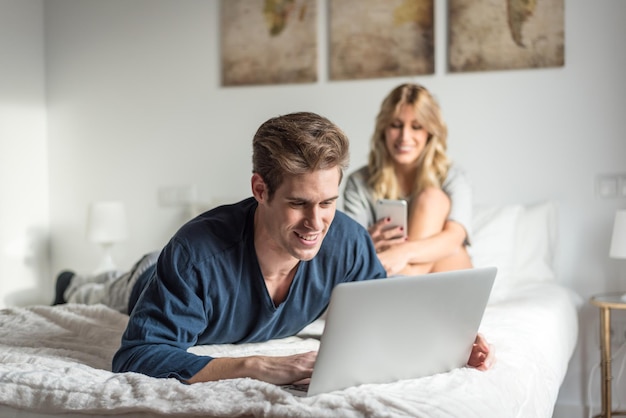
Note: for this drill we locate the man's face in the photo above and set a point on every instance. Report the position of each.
(299, 214)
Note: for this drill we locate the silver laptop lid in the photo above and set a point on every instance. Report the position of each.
(384, 330)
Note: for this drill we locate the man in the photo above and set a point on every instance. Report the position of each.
(256, 270)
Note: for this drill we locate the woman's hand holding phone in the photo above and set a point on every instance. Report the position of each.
(391, 227)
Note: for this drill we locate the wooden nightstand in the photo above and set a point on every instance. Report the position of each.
(607, 302)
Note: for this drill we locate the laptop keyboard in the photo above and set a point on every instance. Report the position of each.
(297, 389)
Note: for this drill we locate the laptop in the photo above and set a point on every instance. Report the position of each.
(403, 327)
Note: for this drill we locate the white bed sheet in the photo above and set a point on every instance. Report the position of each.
(56, 360)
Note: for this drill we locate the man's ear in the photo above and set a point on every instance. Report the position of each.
(259, 188)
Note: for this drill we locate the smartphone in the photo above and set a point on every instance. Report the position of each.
(396, 210)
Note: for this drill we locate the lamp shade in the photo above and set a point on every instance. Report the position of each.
(106, 222)
(618, 239)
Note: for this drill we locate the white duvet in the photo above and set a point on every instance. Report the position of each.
(56, 360)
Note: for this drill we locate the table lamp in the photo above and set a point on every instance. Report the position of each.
(618, 239)
(106, 225)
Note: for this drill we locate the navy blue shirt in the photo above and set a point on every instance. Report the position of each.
(207, 288)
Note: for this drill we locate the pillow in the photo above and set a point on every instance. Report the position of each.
(519, 240)
(536, 241)
(493, 239)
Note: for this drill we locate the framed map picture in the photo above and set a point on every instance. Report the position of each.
(373, 38)
(505, 34)
(268, 41)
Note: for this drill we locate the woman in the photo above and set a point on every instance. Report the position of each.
(408, 161)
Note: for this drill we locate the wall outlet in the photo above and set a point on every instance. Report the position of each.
(610, 186)
(169, 196)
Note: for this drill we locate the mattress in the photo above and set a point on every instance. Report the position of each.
(57, 360)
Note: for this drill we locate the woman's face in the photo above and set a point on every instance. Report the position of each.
(405, 137)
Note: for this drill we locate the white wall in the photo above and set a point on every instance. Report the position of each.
(134, 103)
(24, 271)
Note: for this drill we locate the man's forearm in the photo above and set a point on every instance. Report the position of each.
(226, 368)
(272, 369)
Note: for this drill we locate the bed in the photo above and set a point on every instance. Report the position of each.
(56, 360)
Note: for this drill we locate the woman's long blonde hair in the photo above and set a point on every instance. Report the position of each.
(433, 162)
